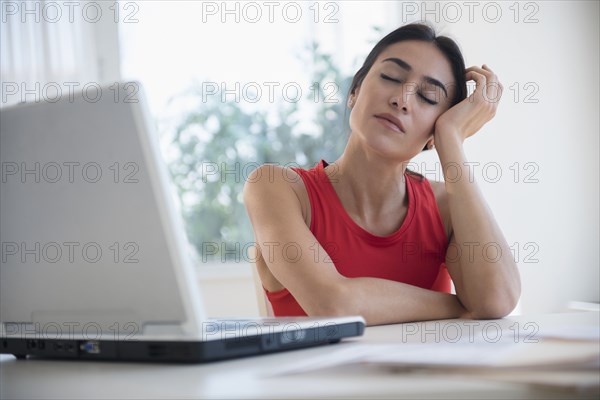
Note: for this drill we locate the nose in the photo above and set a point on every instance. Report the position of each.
(397, 102)
(401, 100)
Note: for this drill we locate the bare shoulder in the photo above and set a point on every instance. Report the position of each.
(441, 198)
(268, 179)
(275, 199)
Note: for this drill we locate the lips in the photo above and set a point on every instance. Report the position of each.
(391, 121)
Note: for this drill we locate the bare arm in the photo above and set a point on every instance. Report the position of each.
(479, 260)
(276, 216)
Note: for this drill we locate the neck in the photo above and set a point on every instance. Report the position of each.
(370, 187)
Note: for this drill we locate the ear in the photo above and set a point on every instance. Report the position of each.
(352, 97)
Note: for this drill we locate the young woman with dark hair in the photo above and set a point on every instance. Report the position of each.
(364, 235)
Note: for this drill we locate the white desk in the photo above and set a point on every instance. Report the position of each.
(247, 378)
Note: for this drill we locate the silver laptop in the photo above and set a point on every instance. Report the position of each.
(95, 263)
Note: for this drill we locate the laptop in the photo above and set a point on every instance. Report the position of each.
(95, 263)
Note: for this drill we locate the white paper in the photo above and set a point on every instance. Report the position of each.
(547, 354)
(571, 333)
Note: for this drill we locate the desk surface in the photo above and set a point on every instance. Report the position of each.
(249, 377)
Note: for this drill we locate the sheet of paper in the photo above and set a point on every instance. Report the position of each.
(546, 353)
(554, 357)
(580, 381)
(571, 333)
(504, 354)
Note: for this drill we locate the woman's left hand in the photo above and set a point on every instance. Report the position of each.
(468, 116)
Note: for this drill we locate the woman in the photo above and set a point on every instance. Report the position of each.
(364, 235)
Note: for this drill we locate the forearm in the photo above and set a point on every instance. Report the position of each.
(382, 301)
(489, 277)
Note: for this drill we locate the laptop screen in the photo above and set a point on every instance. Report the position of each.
(87, 227)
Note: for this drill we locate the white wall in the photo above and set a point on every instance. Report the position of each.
(559, 214)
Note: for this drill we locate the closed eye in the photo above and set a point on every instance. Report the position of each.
(388, 78)
(427, 100)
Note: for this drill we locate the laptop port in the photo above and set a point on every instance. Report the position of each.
(35, 344)
(157, 350)
(90, 347)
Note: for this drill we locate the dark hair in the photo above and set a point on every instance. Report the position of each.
(425, 33)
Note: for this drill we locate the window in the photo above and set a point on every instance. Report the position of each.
(231, 85)
(230, 94)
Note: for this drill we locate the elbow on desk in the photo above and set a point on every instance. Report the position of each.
(497, 302)
(494, 307)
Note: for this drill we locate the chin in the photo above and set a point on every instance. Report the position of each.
(386, 148)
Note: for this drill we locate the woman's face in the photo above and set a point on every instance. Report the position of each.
(402, 82)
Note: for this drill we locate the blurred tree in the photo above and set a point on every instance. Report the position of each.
(219, 143)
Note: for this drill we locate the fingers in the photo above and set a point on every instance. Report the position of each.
(480, 82)
(476, 76)
(487, 80)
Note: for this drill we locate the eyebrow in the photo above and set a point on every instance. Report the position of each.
(404, 65)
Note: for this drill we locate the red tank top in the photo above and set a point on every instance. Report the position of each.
(414, 254)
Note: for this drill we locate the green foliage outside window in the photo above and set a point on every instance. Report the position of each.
(220, 143)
